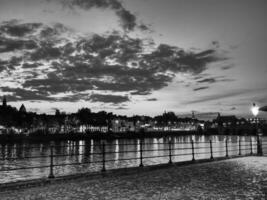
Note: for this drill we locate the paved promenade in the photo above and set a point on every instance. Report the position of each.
(240, 178)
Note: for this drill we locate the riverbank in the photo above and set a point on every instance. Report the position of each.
(239, 178)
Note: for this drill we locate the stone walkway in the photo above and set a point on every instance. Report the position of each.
(240, 178)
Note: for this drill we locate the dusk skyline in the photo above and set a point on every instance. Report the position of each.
(134, 57)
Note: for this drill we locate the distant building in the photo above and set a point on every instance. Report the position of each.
(232, 125)
(4, 102)
(121, 125)
(256, 121)
(2, 129)
(22, 109)
(225, 124)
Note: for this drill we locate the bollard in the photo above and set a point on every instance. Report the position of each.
(226, 148)
(170, 153)
(51, 174)
(259, 146)
(193, 150)
(103, 158)
(211, 152)
(239, 147)
(251, 149)
(141, 153)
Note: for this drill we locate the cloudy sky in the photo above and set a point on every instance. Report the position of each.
(134, 57)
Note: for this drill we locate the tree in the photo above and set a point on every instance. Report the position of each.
(84, 115)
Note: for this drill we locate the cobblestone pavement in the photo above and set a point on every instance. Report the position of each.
(240, 178)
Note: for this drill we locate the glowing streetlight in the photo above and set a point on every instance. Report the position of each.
(255, 110)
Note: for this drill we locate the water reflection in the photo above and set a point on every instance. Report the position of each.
(86, 155)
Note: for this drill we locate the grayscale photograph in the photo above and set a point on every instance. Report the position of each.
(133, 99)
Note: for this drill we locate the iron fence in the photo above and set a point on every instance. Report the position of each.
(171, 149)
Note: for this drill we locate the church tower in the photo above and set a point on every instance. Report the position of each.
(4, 102)
(193, 114)
(22, 109)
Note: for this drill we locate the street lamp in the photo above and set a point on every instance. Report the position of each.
(255, 112)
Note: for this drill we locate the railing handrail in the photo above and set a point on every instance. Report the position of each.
(171, 151)
(116, 152)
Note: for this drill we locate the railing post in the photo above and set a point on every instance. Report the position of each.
(211, 152)
(103, 157)
(251, 149)
(51, 174)
(141, 153)
(239, 147)
(193, 150)
(259, 146)
(226, 147)
(170, 153)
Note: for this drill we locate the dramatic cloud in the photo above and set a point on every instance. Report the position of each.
(152, 99)
(109, 98)
(13, 28)
(214, 80)
(226, 67)
(23, 94)
(201, 88)
(127, 19)
(233, 108)
(51, 66)
(263, 108)
(10, 45)
(207, 80)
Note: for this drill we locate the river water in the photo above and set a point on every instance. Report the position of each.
(86, 156)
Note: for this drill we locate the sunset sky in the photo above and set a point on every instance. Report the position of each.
(134, 56)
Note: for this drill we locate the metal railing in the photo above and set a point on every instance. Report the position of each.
(172, 149)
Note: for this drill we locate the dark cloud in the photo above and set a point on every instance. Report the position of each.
(152, 99)
(201, 76)
(216, 44)
(16, 29)
(233, 108)
(23, 94)
(8, 45)
(121, 108)
(144, 27)
(46, 51)
(112, 63)
(31, 65)
(108, 98)
(127, 19)
(54, 84)
(140, 93)
(213, 79)
(74, 98)
(226, 67)
(207, 80)
(201, 88)
(263, 108)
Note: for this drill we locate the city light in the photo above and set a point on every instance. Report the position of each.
(255, 110)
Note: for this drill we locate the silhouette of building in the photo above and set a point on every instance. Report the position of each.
(232, 125)
(22, 109)
(193, 114)
(4, 101)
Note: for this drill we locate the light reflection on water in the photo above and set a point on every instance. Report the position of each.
(89, 153)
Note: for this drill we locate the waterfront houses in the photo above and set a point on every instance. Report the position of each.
(13, 121)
